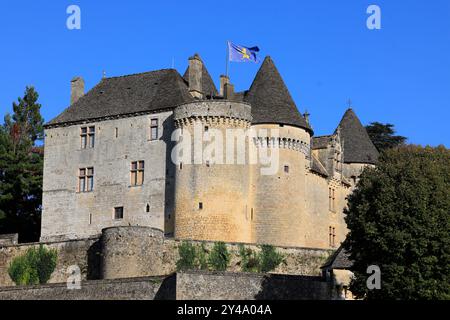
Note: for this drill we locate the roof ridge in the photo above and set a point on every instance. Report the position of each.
(140, 73)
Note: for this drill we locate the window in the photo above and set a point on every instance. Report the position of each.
(137, 173)
(90, 218)
(86, 180)
(332, 237)
(154, 130)
(332, 199)
(117, 132)
(83, 136)
(286, 169)
(118, 213)
(181, 165)
(87, 137)
(200, 206)
(206, 129)
(208, 164)
(147, 209)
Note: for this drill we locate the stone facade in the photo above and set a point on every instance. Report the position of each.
(70, 214)
(136, 119)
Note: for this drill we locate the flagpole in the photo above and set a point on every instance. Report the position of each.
(228, 59)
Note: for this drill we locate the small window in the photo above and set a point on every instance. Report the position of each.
(286, 169)
(181, 165)
(147, 209)
(154, 130)
(116, 133)
(206, 129)
(137, 173)
(200, 206)
(91, 137)
(118, 213)
(332, 236)
(332, 199)
(208, 164)
(83, 137)
(86, 180)
(90, 218)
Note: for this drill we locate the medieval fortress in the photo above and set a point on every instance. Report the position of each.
(124, 154)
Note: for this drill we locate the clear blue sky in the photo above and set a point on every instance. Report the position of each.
(399, 74)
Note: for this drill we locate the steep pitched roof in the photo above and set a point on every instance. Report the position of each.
(321, 142)
(144, 92)
(208, 86)
(270, 99)
(338, 260)
(358, 148)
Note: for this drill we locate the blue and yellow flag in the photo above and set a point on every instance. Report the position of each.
(237, 53)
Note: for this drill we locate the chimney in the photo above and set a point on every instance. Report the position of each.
(228, 91)
(223, 81)
(195, 76)
(76, 89)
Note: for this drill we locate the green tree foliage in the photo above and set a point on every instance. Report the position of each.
(265, 261)
(270, 259)
(219, 257)
(21, 166)
(399, 219)
(383, 136)
(187, 253)
(34, 267)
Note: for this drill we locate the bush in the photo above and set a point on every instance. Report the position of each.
(249, 259)
(187, 257)
(269, 259)
(34, 267)
(202, 257)
(219, 257)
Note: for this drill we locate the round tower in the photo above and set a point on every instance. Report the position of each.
(279, 187)
(212, 176)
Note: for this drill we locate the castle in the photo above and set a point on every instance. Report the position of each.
(109, 162)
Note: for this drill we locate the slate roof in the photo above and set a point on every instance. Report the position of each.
(358, 148)
(144, 92)
(270, 99)
(321, 142)
(208, 86)
(338, 260)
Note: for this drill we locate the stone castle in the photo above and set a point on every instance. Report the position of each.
(108, 162)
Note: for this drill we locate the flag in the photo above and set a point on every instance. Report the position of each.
(237, 53)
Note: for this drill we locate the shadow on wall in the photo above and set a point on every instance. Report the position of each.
(274, 287)
(169, 194)
(94, 261)
(167, 290)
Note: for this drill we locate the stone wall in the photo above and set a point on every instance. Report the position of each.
(83, 253)
(185, 286)
(69, 214)
(239, 286)
(128, 252)
(152, 288)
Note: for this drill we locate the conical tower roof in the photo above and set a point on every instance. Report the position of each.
(270, 99)
(358, 148)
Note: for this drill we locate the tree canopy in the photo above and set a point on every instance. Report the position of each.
(21, 166)
(383, 136)
(399, 220)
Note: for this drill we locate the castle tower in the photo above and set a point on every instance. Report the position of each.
(358, 150)
(278, 196)
(212, 184)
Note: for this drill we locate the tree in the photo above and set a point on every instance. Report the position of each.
(34, 267)
(21, 166)
(399, 220)
(383, 136)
